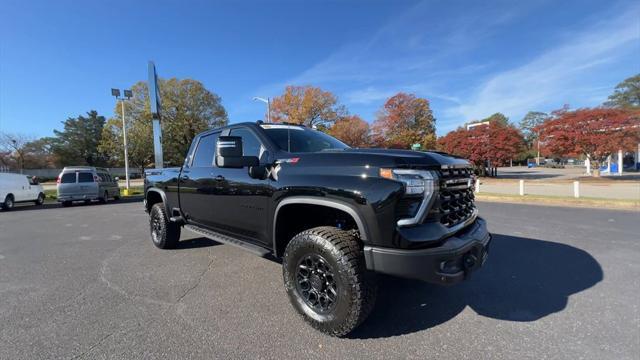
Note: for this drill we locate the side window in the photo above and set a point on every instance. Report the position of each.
(250, 143)
(205, 150)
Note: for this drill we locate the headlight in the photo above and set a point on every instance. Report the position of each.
(418, 183)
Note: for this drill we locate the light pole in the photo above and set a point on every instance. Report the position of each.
(127, 94)
(268, 102)
(538, 157)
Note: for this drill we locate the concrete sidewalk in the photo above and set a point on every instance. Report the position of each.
(621, 190)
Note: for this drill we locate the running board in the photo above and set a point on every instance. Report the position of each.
(256, 249)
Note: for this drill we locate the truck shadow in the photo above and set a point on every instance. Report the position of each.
(523, 280)
(195, 243)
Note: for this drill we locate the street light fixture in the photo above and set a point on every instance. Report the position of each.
(268, 102)
(128, 95)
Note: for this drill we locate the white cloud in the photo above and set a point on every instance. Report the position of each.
(556, 74)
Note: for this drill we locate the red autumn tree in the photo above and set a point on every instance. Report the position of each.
(405, 120)
(496, 142)
(351, 130)
(595, 133)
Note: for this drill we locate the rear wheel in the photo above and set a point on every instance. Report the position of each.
(327, 281)
(164, 233)
(104, 198)
(40, 199)
(8, 202)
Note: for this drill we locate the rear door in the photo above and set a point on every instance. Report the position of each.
(87, 184)
(67, 185)
(198, 184)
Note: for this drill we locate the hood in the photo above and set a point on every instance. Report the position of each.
(381, 157)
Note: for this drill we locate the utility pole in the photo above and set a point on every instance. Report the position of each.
(538, 156)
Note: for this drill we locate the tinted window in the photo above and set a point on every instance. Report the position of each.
(68, 178)
(205, 150)
(250, 143)
(303, 140)
(85, 177)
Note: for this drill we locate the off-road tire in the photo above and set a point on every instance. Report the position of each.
(8, 202)
(67, 203)
(356, 287)
(164, 233)
(40, 199)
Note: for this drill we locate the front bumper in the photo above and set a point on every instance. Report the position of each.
(447, 264)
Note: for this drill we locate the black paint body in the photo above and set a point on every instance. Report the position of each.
(229, 201)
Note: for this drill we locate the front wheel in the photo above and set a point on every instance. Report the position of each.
(164, 233)
(40, 199)
(326, 279)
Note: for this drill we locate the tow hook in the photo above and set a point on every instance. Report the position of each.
(469, 261)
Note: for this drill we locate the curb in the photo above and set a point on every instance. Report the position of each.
(562, 202)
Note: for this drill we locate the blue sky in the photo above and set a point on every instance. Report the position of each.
(60, 58)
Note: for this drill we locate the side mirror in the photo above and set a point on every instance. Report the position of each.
(229, 153)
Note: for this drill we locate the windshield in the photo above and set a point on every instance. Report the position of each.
(297, 139)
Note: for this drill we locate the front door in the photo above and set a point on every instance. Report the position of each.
(244, 198)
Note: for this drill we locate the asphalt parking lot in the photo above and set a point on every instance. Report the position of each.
(86, 282)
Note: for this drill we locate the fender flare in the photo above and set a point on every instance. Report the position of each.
(310, 200)
(162, 195)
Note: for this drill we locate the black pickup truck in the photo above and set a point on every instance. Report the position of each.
(335, 216)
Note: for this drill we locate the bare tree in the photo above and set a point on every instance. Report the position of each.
(15, 145)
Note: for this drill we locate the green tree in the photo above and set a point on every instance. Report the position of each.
(188, 108)
(529, 122)
(626, 94)
(77, 144)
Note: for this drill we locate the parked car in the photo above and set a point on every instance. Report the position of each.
(17, 188)
(84, 183)
(334, 215)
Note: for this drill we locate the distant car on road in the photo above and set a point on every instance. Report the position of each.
(84, 183)
(16, 188)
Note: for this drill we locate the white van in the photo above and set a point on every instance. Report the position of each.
(15, 188)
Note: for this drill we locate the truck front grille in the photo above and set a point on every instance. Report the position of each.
(456, 199)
